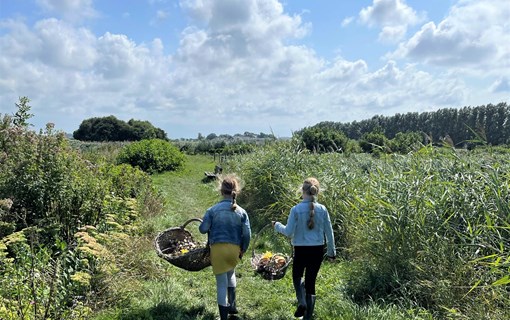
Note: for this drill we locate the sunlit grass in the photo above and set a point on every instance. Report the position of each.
(172, 293)
(407, 230)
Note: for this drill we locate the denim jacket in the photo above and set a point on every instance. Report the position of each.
(297, 227)
(227, 226)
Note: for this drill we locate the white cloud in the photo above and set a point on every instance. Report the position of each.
(161, 16)
(343, 70)
(391, 89)
(473, 38)
(70, 10)
(347, 21)
(501, 85)
(63, 46)
(393, 16)
(390, 34)
(233, 71)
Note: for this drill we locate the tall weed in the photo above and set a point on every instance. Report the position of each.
(425, 230)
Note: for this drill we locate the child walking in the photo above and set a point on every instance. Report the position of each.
(307, 226)
(229, 231)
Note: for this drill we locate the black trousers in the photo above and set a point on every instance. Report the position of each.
(307, 261)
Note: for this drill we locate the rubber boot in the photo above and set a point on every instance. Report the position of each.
(310, 305)
(223, 312)
(232, 300)
(299, 286)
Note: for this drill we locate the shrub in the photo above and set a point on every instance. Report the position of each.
(152, 156)
(406, 142)
(319, 139)
(48, 195)
(374, 142)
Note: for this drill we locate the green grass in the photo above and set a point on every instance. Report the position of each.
(167, 292)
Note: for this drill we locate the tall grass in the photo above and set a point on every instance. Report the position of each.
(425, 230)
(167, 292)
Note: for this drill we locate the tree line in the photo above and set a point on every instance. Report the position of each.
(488, 124)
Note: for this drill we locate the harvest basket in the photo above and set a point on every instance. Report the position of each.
(271, 266)
(177, 246)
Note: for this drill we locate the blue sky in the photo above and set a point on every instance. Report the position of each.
(230, 66)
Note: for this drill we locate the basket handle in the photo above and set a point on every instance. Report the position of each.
(190, 220)
(270, 224)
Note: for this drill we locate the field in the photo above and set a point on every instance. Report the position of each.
(419, 236)
(173, 293)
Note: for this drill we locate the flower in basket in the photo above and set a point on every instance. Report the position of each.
(270, 262)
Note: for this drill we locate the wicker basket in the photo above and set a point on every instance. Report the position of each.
(272, 270)
(169, 244)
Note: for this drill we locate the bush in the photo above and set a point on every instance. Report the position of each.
(374, 142)
(152, 156)
(406, 142)
(49, 194)
(320, 140)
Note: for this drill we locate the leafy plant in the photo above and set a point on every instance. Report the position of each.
(152, 156)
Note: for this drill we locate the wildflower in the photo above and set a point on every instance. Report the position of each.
(267, 255)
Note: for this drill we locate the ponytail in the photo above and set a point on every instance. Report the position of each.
(311, 222)
(234, 203)
(311, 188)
(229, 186)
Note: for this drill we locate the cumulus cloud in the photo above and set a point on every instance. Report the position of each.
(343, 70)
(62, 46)
(392, 33)
(70, 10)
(392, 16)
(234, 70)
(392, 89)
(473, 37)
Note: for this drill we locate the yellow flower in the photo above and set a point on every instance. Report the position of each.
(183, 251)
(267, 255)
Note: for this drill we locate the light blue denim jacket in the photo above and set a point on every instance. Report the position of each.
(227, 226)
(297, 227)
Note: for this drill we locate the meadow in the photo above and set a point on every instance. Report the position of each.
(419, 236)
(424, 235)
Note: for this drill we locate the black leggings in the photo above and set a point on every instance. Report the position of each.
(307, 260)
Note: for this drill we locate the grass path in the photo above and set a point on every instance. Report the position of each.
(170, 293)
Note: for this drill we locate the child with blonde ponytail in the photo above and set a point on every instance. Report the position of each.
(229, 232)
(307, 226)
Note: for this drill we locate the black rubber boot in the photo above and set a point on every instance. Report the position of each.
(310, 305)
(299, 286)
(223, 312)
(232, 300)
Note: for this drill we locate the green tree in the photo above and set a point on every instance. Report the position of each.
(211, 136)
(406, 142)
(103, 129)
(145, 130)
(374, 142)
(319, 139)
(112, 129)
(20, 118)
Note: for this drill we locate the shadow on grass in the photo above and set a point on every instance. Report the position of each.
(166, 311)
